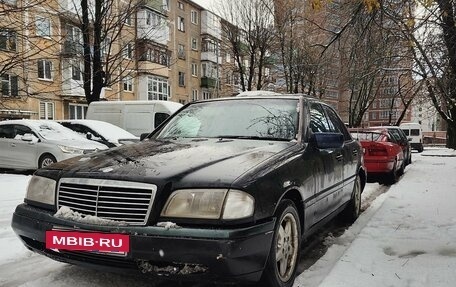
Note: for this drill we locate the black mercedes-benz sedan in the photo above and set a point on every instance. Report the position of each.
(223, 190)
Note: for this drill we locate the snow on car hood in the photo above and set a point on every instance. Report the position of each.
(80, 143)
(208, 160)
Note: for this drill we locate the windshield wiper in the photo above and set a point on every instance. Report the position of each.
(252, 138)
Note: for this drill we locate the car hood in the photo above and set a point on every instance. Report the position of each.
(78, 143)
(208, 162)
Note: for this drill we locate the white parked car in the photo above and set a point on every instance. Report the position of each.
(100, 131)
(32, 144)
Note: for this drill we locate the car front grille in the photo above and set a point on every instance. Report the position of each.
(126, 201)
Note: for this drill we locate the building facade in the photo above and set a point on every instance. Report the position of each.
(155, 50)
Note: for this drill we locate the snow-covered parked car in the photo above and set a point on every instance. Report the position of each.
(32, 144)
(223, 190)
(100, 131)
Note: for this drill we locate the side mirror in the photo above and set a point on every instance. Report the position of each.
(89, 136)
(143, 136)
(327, 140)
(30, 138)
(27, 138)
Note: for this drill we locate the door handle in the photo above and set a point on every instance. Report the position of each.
(339, 157)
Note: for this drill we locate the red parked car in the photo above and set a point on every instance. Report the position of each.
(382, 157)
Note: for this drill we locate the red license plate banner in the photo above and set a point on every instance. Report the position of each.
(88, 241)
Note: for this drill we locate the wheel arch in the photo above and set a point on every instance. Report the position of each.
(40, 158)
(363, 176)
(295, 196)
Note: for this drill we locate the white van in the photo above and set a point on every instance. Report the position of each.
(137, 117)
(414, 134)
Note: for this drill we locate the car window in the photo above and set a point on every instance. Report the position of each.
(396, 135)
(22, 130)
(318, 121)
(246, 118)
(406, 132)
(160, 118)
(414, 132)
(7, 131)
(336, 123)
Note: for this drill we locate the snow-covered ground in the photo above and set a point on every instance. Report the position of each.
(405, 237)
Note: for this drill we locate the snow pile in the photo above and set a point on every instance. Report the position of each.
(168, 225)
(66, 213)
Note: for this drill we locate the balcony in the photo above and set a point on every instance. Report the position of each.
(158, 5)
(72, 48)
(153, 68)
(207, 82)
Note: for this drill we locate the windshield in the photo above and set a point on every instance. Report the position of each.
(274, 119)
(54, 131)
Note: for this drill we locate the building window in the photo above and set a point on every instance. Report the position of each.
(209, 70)
(106, 47)
(43, 27)
(166, 5)
(77, 112)
(9, 85)
(384, 114)
(76, 71)
(194, 95)
(206, 95)
(44, 69)
(154, 19)
(181, 51)
(194, 69)
(180, 5)
(194, 16)
(47, 111)
(181, 79)
(157, 88)
(180, 24)
(194, 44)
(128, 51)
(156, 55)
(208, 45)
(373, 115)
(128, 84)
(7, 40)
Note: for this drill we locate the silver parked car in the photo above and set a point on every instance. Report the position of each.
(32, 144)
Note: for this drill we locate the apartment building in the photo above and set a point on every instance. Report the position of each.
(320, 24)
(154, 50)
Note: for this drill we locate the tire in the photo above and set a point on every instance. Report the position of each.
(45, 160)
(392, 177)
(401, 169)
(283, 256)
(353, 209)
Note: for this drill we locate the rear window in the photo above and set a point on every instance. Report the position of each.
(414, 132)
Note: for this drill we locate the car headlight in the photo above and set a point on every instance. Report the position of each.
(41, 189)
(73, 150)
(209, 204)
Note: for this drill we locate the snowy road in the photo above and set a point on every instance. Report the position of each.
(20, 267)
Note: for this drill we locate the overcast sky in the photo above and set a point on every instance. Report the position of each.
(207, 4)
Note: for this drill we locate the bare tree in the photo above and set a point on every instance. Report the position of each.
(249, 34)
(432, 34)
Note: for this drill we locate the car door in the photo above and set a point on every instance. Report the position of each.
(7, 146)
(350, 151)
(25, 152)
(330, 183)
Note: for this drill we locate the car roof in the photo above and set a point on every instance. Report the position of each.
(268, 95)
(24, 122)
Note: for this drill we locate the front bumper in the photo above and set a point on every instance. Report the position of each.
(231, 255)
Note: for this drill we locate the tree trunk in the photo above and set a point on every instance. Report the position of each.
(451, 135)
